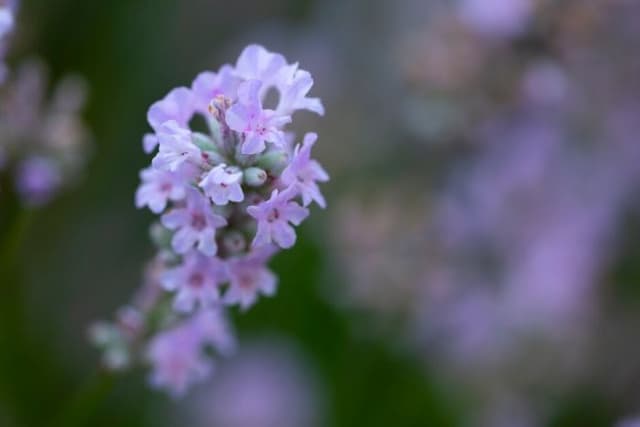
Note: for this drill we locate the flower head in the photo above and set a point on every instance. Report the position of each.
(256, 124)
(223, 184)
(44, 140)
(177, 362)
(159, 187)
(249, 277)
(38, 179)
(195, 281)
(178, 359)
(7, 20)
(195, 225)
(303, 173)
(208, 85)
(275, 217)
(293, 85)
(176, 147)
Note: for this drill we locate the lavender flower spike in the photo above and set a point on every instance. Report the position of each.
(216, 193)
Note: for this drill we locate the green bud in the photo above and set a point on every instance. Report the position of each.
(160, 235)
(254, 177)
(273, 161)
(117, 358)
(203, 142)
(102, 334)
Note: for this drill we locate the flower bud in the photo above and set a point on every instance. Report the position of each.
(274, 161)
(203, 141)
(255, 177)
(160, 236)
(234, 243)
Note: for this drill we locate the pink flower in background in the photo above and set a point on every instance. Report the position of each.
(502, 18)
(44, 139)
(268, 384)
(38, 179)
(8, 10)
(629, 422)
(7, 20)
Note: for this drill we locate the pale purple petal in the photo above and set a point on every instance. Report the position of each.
(178, 105)
(283, 234)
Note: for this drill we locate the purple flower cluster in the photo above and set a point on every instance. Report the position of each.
(228, 200)
(43, 140)
(515, 245)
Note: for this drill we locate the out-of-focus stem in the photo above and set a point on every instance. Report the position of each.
(16, 349)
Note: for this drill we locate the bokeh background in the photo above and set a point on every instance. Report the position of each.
(479, 261)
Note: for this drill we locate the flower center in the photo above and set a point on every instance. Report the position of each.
(196, 280)
(198, 221)
(245, 281)
(273, 215)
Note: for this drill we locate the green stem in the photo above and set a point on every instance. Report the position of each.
(13, 332)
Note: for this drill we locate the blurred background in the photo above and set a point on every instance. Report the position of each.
(479, 261)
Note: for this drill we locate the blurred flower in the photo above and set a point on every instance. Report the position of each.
(196, 280)
(518, 145)
(177, 355)
(37, 180)
(43, 142)
(266, 385)
(248, 277)
(8, 11)
(630, 422)
(496, 17)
